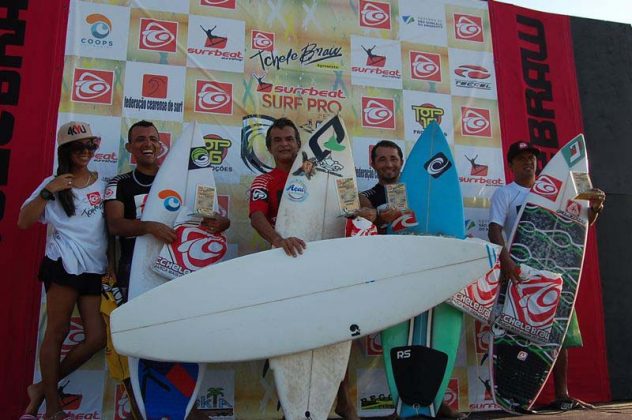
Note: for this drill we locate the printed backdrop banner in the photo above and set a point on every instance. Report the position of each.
(388, 68)
(539, 103)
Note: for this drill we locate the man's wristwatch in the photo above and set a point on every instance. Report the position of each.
(47, 195)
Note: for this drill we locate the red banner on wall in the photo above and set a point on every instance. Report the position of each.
(539, 102)
(31, 62)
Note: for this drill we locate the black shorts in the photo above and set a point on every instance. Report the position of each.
(53, 272)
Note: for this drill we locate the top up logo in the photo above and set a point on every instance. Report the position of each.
(375, 15)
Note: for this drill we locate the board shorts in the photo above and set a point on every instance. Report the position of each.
(54, 272)
(573, 334)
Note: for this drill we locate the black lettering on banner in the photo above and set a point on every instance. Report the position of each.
(539, 89)
(12, 31)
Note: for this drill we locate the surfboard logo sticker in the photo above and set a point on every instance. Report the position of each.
(199, 158)
(170, 199)
(437, 165)
(573, 208)
(258, 194)
(404, 222)
(548, 187)
(296, 191)
(574, 152)
(195, 248)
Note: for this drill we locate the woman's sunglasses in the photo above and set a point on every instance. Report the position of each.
(91, 146)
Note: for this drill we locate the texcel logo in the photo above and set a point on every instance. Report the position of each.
(378, 113)
(92, 86)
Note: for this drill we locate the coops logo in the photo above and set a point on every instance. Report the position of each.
(375, 15)
(547, 186)
(92, 86)
(425, 66)
(158, 35)
(378, 113)
(170, 199)
(100, 25)
(468, 27)
(214, 97)
(260, 40)
(475, 122)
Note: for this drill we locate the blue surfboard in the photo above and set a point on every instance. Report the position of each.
(434, 196)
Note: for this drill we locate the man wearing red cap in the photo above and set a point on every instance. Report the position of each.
(505, 204)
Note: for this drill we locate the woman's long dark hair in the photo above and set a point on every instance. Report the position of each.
(64, 165)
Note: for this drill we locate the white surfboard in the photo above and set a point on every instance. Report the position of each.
(186, 166)
(266, 304)
(307, 382)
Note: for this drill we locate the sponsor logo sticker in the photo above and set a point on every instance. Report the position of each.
(437, 165)
(547, 186)
(94, 198)
(296, 191)
(170, 199)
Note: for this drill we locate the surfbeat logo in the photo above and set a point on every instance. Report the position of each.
(224, 4)
(535, 301)
(475, 122)
(195, 248)
(547, 186)
(75, 335)
(483, 333)
(437, 165)
(158, 35)
(170, 199)
(425, 66)
(375, 15)
(451, 397)
(468, 27)
(92, 86)
(260, 40)
(214, 97)
(378, 113)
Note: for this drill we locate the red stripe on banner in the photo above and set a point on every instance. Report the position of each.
(539, 102)
(31, 63)
(181, 380)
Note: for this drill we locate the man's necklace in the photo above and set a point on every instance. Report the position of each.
(138, 182)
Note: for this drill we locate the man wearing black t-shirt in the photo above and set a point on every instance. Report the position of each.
(125, 197)
(387, 160)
